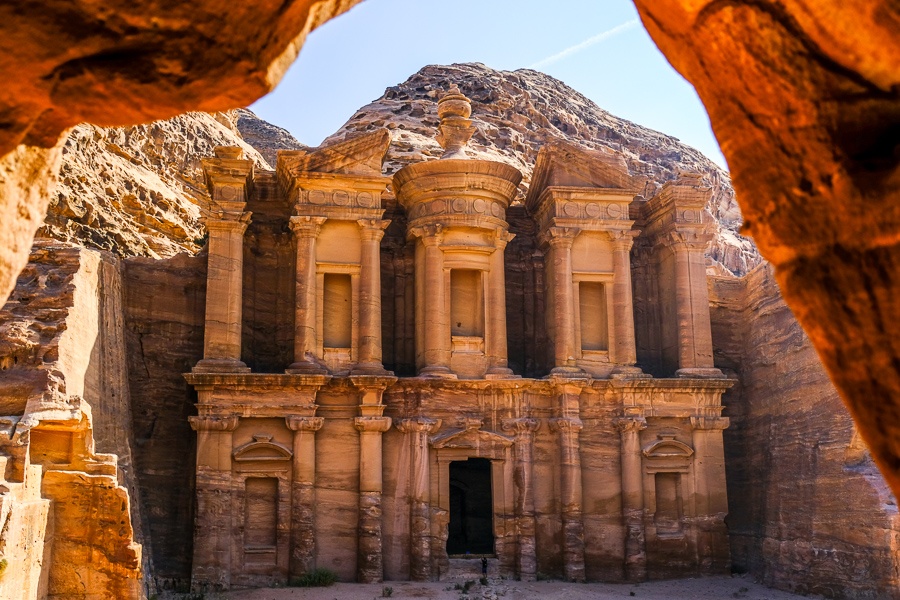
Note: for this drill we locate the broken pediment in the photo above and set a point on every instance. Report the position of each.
(262, 448)
(666, 446)
(564, 164)
(361, 154)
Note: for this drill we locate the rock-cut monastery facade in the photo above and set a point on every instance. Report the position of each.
(607, 465)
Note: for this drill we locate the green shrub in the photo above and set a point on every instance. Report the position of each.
(315, 578)
(387, 591)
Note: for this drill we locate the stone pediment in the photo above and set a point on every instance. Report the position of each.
(667, 447)
(262, 449)
(564, 164)
(361, 154)
(469, 438)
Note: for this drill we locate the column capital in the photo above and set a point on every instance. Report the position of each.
(230, 219)
(502, 237)
(623, 240)
(417, 425)
(372, 424)
(431, 235)
(521, 426)
(559, 236)
(304, 226)
(372, 229)
(214, 423)
(681, 240)
(703, 423)
(630, 423)
(566, 424)
(296, 423)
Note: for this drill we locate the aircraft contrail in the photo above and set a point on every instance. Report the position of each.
(585, 44)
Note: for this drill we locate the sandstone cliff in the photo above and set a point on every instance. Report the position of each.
(517, 112)
(139, 191)
(808, 510)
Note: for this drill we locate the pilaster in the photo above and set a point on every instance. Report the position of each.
(303, 492)
(497, 353)
(306, 230)
(432, 312)
(630, 427)
(523, 429)
(561, 299)
(370, 357)
(712, 495)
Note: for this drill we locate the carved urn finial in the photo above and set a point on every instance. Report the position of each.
(456, 128)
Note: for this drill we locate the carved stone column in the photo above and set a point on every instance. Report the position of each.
(630, 428)
(695, 352)
(370, 357)
(369, 565)
(497, 353)
(561, 317)
(213, 521)
(433, 343)
(524, 429)
(418, 429)
(306, 230)
(224, 287)
(568, 429)
(711, 494)
(624, 352)
(303, 493)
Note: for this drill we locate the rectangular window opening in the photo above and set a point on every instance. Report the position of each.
(594, 323)
(466, 303)
(338, 304)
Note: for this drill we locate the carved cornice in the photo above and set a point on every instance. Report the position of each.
(372, 424)
(295, 423)
(211, 423)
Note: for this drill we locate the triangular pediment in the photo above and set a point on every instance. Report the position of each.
(564, 164)
(361, 154)
(469, 438)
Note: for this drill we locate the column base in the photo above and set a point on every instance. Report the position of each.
(567, 372)
(376, 369)
(220, 365)
(629, 372)
(437, 372)
(306, 368)
(501, 373)
(700, 373)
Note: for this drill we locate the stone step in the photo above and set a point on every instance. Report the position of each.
(465, 569)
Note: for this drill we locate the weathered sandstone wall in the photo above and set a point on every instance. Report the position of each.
(63, 499)
(164, 315)
(808, 510)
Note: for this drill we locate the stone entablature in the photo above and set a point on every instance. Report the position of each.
(597, 471)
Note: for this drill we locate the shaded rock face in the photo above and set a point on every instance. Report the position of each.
(803, 97)
(139, 191)
(516, 113)
(266, 138)
(808, 510)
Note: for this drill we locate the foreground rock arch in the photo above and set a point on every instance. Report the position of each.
(802, 94)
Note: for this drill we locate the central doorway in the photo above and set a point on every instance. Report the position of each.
(471, 529)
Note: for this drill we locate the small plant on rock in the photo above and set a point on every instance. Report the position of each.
(387, 591)
(315, 578)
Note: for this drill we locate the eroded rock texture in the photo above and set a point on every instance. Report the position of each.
(808, 510)
(139, 191)
(516, 112)
(803, 97)
(65, 445)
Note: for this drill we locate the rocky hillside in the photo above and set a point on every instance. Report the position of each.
(517, 112)
(139, 190)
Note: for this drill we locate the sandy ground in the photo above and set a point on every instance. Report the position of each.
(707, 588)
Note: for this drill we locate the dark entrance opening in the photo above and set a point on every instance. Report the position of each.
(471, 508)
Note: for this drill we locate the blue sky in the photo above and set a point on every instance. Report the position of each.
(594, 46)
